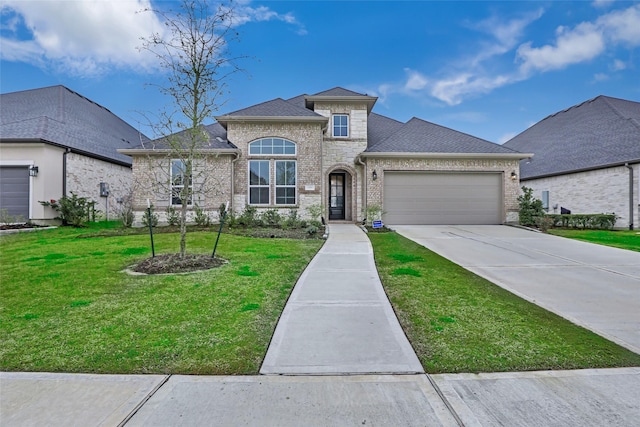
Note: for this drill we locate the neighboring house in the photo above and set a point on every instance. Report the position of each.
(53, 142)
(331, 150)
(587, 159)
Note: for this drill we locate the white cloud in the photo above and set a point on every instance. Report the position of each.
(602, 3)
(618, 65)
(92, 37)
(507, 137)
(82, 37)
(600, 77)
(584, 42)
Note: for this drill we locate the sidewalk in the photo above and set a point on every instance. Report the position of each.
(338, 320)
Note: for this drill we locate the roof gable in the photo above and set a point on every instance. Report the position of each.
(275, 108)
(338, 91)
(63, 117)
(420, 136)
(599, 132)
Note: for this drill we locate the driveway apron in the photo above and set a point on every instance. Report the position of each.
(595, 286)
(338, 319)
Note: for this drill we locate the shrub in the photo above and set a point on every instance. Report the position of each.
(271, 217)
(201, 218)
(292, 220)
(312, 230)
(315, 213)
(249, 217)
(530, 207)
(6, 218)
(74, 210)
(150, 217)
(373, 212)
(593, 221)
(125, 211)
(173, 216)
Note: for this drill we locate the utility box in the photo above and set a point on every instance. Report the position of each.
(104, 189)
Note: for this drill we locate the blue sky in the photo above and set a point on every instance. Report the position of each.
(490, 69)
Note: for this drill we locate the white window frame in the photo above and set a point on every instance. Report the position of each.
(267, 185)
(294, 185)
(267, 146)
(341, 126)
(172, 186)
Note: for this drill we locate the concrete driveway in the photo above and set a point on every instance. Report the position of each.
(594, 286)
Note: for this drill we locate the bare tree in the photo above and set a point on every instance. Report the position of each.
(194, 52)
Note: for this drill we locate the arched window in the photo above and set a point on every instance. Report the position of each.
(273, 146)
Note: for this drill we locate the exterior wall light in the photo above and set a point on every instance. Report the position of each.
(514, 176)
(33, 171)
(374, 175)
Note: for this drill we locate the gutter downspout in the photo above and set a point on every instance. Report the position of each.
(64, 171)
(233, 178)
(630, 195)
(364, 184)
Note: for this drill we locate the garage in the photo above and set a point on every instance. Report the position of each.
(423, 198)
(14, 190)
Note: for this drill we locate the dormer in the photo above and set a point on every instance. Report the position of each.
(346, 110)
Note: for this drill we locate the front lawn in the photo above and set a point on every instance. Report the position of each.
(460, 322)
(617, 238)
(66, 305)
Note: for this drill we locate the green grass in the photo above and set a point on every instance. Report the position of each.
(618, 239)
(66, 305)
(460, 322)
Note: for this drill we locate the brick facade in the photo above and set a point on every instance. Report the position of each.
(592, 192)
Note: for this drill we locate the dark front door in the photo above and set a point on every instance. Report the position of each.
(336, 196)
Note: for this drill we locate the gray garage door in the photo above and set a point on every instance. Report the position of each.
(442, 198)
(14, 190)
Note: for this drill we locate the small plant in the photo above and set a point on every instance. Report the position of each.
(312, 230)
(201, 218)
(373, 213)
(271, 217)
(292, 220)
(6, 218)
(125, 211)
(150, 217)
(231, 220)
(249, 217)
(544, 223)
(173, 217)
(315, 213)
(74, 210)
(530, 207)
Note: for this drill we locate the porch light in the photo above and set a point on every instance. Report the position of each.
(33, 171)
(374, 175)
(514, 176)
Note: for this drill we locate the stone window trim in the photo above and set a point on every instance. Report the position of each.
(270, 184)
(340, 126)
(176, 183)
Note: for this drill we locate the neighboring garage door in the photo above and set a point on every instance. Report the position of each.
(14, 190)
(442, 198)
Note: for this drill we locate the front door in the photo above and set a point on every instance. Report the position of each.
(336, 196)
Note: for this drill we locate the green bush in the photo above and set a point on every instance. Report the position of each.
(292, 220)
(150, 217)
(530, 207)
(271, 217)
(201, 219)
(173, 216)
(592, 221)
(74, 210)
(249, 217)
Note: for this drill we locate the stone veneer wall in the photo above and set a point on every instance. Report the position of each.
(212, 185)
(308, 139)
(84, 175)
(510, 191)
(596, 191)
(340, 153)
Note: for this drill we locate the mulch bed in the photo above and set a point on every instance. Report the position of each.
(172, 263)
(19, 226)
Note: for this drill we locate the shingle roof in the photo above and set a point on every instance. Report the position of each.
(338, 91)
(275, 108)
(217, 139)
(61, 116)
(419, 136)
(380, 128)
(599, 132)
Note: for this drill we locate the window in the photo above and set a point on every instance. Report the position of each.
(259, 182)
(179, 176)
(285, 182)
(340, 125)
(545, 200)
(272, 146)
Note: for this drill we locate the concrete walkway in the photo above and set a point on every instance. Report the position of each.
(338, 319)
(594, 286)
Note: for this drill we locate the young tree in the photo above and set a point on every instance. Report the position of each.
(194, 52)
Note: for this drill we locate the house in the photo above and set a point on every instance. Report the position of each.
(54, 142)
(587, 159)
(330, 150)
